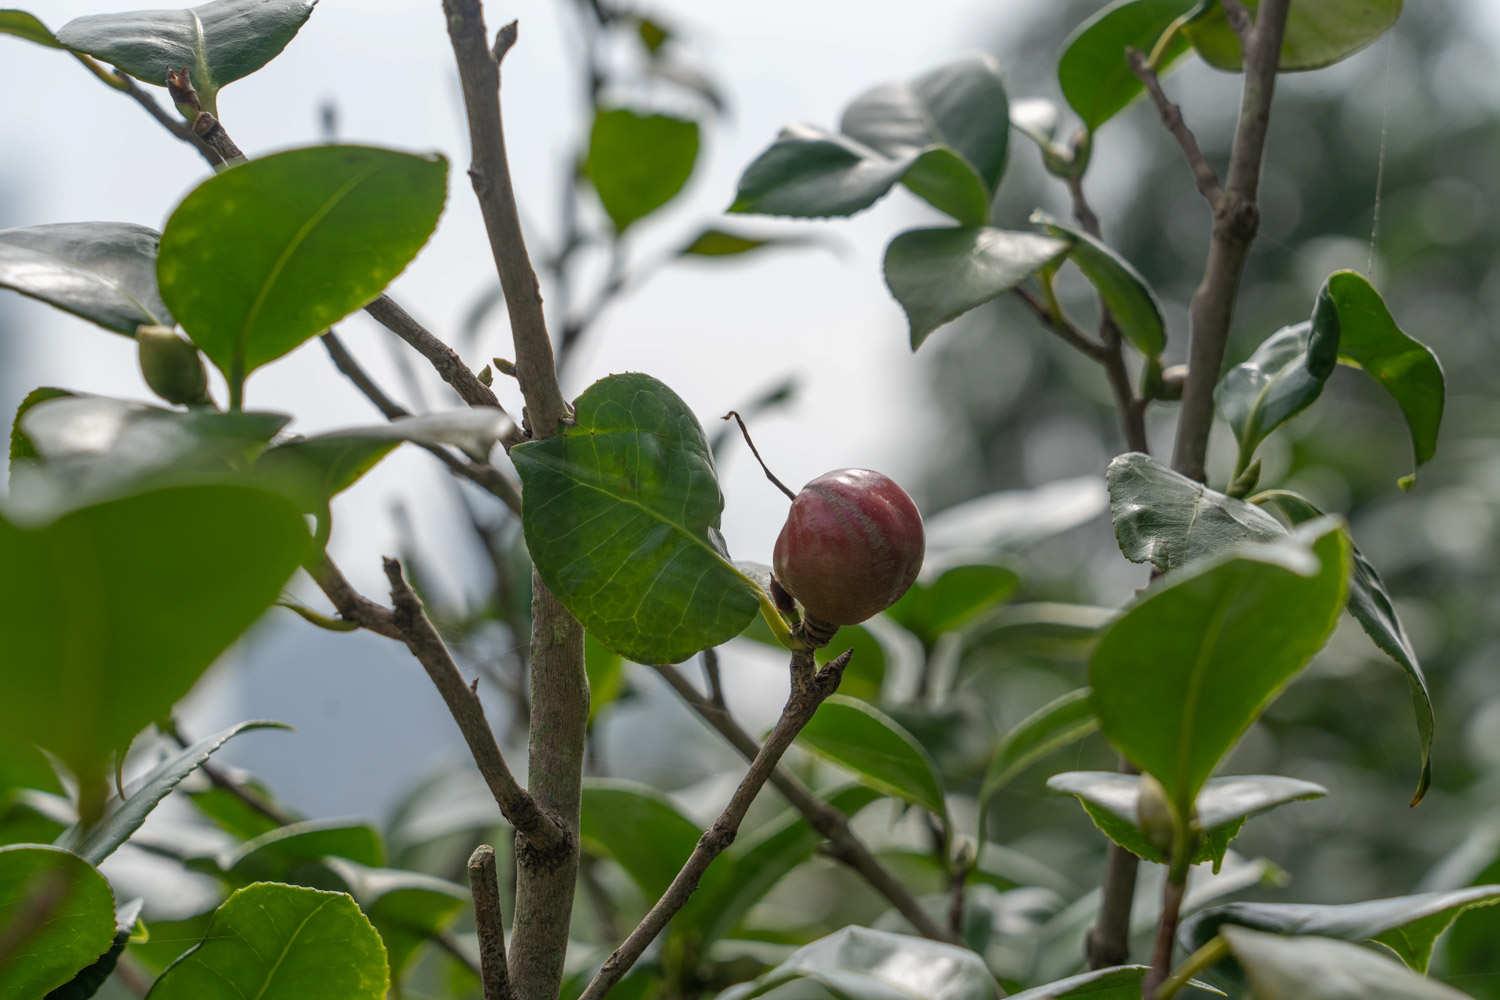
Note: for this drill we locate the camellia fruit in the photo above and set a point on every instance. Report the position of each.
(851, 546)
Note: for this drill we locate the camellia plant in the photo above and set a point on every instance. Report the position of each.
(140, 540)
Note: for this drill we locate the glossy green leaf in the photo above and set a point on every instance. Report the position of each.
(1371, 605)
(282, 942)
(104, 272)
(876, 751)
(1181, 675)
(1369, 339)
(1093, 70)
(57, 915)
(1057, 724)
(1275, 383)
(811, 173)
(1120, 982)
(1408, 925)
(408, 908)
(1131, 302)
(1317, 34)
(952, 600)
(863, 964)
(263, 256)
(88, 598)
(279, 852)
(937, 275)
(1110, 798)
(25, 25)
(961, 106)
(638, 162)
(756, 862)
(217, 42)
(318, 467)
(1279, 967)
(91, 979)
(85, 448)
(1165, 518)
(639, 829)
(124, 817)
(621, 512)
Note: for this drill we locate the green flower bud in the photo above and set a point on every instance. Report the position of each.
(1154, 815)
(172, 366)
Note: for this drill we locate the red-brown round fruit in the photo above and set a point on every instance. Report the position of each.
(851, 546)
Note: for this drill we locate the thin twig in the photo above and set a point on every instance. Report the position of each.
(490, 924)
(809, 687)
(713, 681)
(1204, 176)
(1062, 326)
(205, 127)
(844, 845)
(756, 452)
(247, 796)
(351, 604)
(416, 630)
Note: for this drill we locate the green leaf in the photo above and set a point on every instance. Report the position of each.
(90, 980)
(282, 942)
(407, 908)
(26, 25)
(21, 447)
(756, 862)
(1165, 518)
(977, 530)
(89, 598)
(639, 829)
(1280, 967)
(864, 964)
(1095, 74)
(1110, 798)
(953, 600)
(1181, 675)
(1057, 724)
(1369, 339)
(715, 242)
(606, 673)
(1121, 982)
(1408, 925)
(1271, 386)
(276, 854)
(263, 256)
(961, 106)
(57, 915)
(621, 512)
(217, 42)
(937, 275)
(1317, 34)
(1046, 629)
(123, 818)
(1131, 302)
(318, 467)
(104, 272)
(810, 173)
(87, 448)
(1039, 120)
(1371, 605)
(878, 752)
(638, 162)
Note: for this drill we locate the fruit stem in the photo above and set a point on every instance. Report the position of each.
(756, 452)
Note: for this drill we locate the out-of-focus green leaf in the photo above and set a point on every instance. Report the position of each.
(865, 964)
(1121, 982)
(638, 162)
(57, 916)
(104, 272)
(1407, 925)
(977, 530)
(1093, 70)
(1369, 339)
(1181, 675)
(864, 678)
(217, 42)
(108, 618)
(621, 512)
(1110, 798)
(878, 752)
(263, 256)
(953, 600)
(275, 855)
(1057, 724)
(1131, 302)
(124, 817)
(407, 908)
(25, 25)
(715, 242)
(1279, 967)
(606, 673)
(639, 829)
(937, 275)
(1317, 34)
(282, 942)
